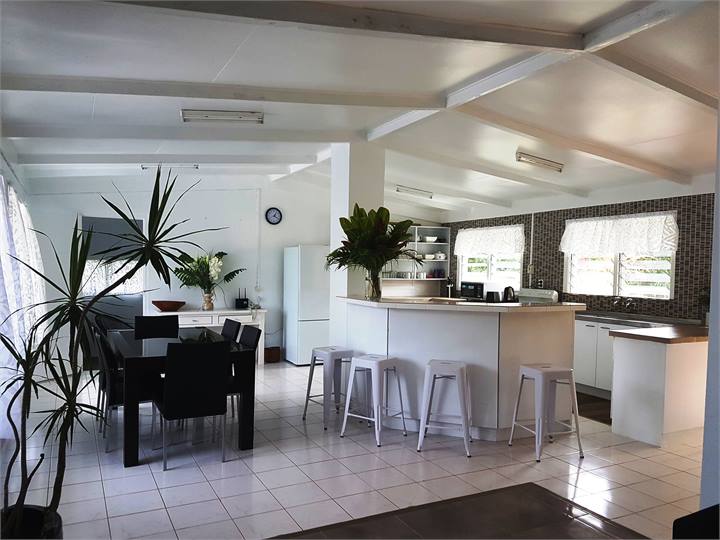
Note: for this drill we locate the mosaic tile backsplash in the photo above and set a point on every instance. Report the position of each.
(693, 258)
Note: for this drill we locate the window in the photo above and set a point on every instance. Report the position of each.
(630, 256)
(491, 255)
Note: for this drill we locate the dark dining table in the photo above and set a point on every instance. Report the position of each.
(145, 359)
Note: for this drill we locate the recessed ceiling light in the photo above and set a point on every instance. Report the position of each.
(522, 157)
(197, 115)
(414, 191)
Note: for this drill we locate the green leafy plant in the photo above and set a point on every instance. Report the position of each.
(371, 242)
(70, 313)
(204, 272)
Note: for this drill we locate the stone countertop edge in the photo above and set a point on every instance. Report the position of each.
(668, 335)
(465, 306)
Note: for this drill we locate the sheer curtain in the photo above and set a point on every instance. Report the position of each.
(19, 286)
(504, 240)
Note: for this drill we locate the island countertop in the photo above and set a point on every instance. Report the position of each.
(456, 304)
(669, 335)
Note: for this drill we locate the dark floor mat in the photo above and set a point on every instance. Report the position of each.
(522, 511)
(594, 408)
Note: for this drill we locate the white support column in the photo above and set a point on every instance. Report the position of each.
(357, 176)
(710, 487)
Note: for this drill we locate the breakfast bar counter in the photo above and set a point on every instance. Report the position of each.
(493, 339)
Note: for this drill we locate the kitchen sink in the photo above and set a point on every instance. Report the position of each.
(624, 319)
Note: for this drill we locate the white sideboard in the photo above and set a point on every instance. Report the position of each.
(217, 317)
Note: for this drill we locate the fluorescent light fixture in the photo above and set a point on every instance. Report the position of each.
(414, 191)
(146, 166)
(522, 157)
(197, 115)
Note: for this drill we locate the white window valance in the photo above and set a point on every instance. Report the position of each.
(505, 240)
(638, 234)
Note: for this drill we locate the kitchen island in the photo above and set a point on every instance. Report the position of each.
(659, 378)
(492, 339)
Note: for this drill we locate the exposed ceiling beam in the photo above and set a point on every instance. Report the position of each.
(321, 156)
(391, 194)
(181, 133)
(317, 14)
(488, 169)
(635, 22)
(138, 87)
(605, 153)
(657, 79)
(488, 81)
(112, 159)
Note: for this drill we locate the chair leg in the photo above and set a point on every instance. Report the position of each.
(432, 396)
(402, 407)
(232, 406)
(540, 416)
(468, 399)
(337, 383)
(152, 426)
(461, 386)
(107, 438)
(425, 407)
(222, 436)
(309, 386)
(368, 394)
(515, 413)
(351, 380)
(575, 414)
(163, 427)
(376, 380)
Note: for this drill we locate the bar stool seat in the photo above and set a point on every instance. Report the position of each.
(378, 367)
(332, 358)
(546, 378)
(454, 371)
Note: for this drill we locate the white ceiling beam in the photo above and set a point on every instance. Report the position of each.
(392, 195)
(182, 133)
(322, 155)
(600, 151)
(399, 122)
(314, 15)
(138, 87)
(489, 170)
(113, 159)
(635, 22)
(653, 77)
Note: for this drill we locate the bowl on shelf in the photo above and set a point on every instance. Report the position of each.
(430, 239)
(168, 305)
(440, 256)
(429, 256)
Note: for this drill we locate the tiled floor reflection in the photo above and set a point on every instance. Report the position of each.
(300, 477)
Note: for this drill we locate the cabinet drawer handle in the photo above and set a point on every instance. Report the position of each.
(590, 325)
(605, 327)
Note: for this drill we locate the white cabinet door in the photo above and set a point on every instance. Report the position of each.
(604, 366)
(586, 334)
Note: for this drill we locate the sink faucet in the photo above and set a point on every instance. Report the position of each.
(630, 304)
(616, 301)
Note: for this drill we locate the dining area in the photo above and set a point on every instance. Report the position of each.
(183, 373)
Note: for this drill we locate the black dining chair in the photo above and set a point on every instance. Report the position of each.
(161, 326)
(249, 339)
(194, 377)
(231, 329)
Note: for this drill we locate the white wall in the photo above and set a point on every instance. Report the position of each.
(237, 203)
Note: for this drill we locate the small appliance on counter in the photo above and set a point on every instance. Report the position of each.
(473, 290)
(492, 297)
(242, 302)
(537, 296)
(509, 295)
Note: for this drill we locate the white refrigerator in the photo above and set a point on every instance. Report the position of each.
(306, 302)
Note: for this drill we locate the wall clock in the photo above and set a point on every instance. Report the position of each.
(273, 215)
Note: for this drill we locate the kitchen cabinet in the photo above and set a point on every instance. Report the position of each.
(593, 359)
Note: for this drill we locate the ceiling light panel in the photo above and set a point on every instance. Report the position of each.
(538, 161)
(198, 115)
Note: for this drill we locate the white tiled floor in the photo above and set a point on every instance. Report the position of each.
(299, 476)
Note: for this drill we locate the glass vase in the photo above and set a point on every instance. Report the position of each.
(207, 304)
(373, 286)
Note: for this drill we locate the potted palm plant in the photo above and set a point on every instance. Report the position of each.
(204, 272)
(69, 314)
(371, 242)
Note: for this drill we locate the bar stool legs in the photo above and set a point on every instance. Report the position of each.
(332, 359)
(546, 378)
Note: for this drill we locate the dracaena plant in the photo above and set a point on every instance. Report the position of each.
(69, 312)
(371, 242)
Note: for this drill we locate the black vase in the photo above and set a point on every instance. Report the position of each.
(37, 522)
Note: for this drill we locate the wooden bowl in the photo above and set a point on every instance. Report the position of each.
(168, 305)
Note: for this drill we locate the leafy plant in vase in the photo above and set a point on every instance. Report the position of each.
(204, 272)
(67, 318)
(372, 241)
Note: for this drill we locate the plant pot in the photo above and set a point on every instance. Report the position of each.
(207, 304)
(373, 288)
(37, 522)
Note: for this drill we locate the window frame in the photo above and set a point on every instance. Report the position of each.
(617, 277)
(461, 262)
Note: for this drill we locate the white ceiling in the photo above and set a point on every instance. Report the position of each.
(610, 127)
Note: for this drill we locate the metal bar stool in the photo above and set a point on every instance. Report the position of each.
(546, 377)
(378, 367)
(332, 359)
(455, 371)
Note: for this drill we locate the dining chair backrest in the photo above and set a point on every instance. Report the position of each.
(195, 379)
(161, 326)
(110, 375)
(107, 322)
(231, 329)
(250, 336)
